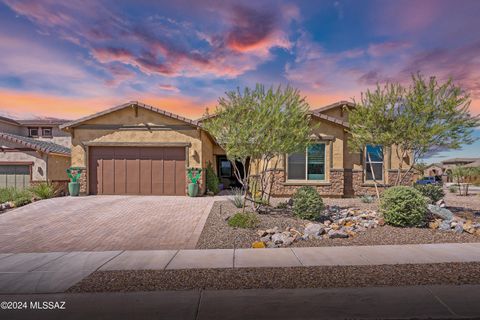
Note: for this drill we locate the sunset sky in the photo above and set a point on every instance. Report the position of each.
(67, 59)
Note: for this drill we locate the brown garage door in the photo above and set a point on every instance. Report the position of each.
(137, 170)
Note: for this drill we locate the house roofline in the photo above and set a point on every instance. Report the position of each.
(77, 122)
(334, 105)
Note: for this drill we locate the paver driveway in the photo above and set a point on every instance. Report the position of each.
(99, 223)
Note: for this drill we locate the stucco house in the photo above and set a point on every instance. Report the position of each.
(135, 148)
(33, 151)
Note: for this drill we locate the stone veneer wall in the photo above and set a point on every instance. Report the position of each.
(83, 181)
(360, 188)
(333, 188)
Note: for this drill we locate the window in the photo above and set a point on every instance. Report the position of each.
(374, 160)
(307, 165)
(46, 132)
(33, 132)
(225, 168)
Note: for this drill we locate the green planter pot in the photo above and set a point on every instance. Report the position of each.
(74, 189)
(193, 189)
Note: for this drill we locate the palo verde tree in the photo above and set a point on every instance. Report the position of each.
(425, 117)
(255, 128)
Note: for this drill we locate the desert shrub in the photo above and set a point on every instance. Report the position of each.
(243, 220)
(431, 191)
(403, 206)
(43, 190)
(307, 203)
(212, 180)
(453, 189)
(367, 199)
(238, 197)
(7, 194)
(22, 197)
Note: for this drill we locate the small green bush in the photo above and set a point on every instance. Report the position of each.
(403, 206)
(453, 189)
(243, 220)
(431, 191)
(307, 203)
(22, 197)
(43, 190)
(7, 194)
(212, 180)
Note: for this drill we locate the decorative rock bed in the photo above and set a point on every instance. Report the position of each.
(444, 220)
(337, 223)
(345, 223)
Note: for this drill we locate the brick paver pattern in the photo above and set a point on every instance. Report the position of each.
(100, 223)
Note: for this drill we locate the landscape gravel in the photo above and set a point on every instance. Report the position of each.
(218, 235)
(296, 277)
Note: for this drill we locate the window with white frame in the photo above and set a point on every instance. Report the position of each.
(373, 163)
(308, 165)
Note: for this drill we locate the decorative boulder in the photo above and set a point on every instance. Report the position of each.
(442, 213)
(313, 230)
(333, 234)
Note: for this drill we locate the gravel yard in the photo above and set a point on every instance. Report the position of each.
(466, 207)
(297, 277)
(218, 235)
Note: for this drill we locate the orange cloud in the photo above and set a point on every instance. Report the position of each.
(29, 105)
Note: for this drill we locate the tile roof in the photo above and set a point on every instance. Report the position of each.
(8, 120)
(335, 120)
(334, 105)
(125, 105)
(39, 145)
(53, 122)
(453, 160)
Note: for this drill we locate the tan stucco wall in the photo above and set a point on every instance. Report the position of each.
(57, 166)
(127, 117)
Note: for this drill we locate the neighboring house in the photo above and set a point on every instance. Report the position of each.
(434, 169)
(138, 149)
(449, 164)
(33, 151)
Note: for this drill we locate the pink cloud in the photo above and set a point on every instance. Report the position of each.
(168, 87)
(385, 48)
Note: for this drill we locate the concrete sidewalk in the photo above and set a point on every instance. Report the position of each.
(419, 302)
(57, 271)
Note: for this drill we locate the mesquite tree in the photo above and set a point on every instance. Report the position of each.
(255, 128)
(425, 117)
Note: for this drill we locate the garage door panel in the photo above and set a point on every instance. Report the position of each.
(179, 182)
(108, 176)
(145, 176)
(133, 176)
(120, 176)
(169, 177)
(142, 170)
(157, 177)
